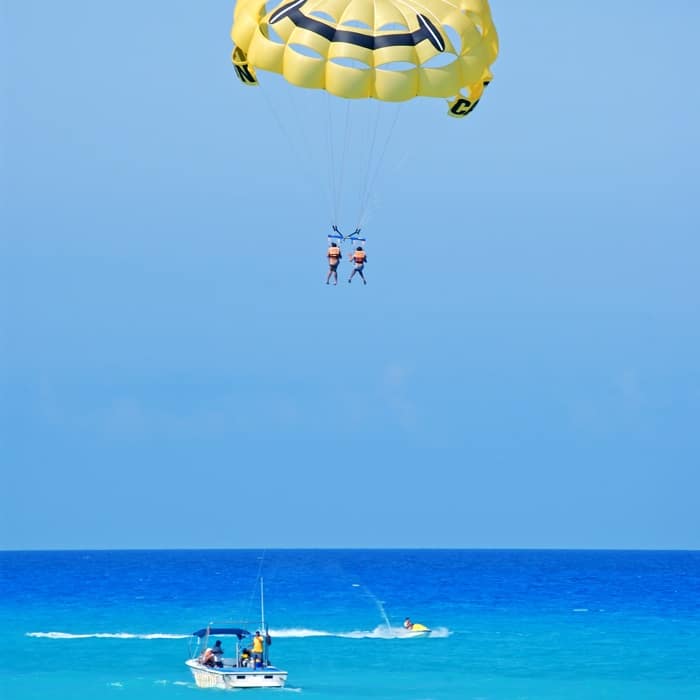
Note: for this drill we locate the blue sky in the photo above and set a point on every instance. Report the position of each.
(521, 370)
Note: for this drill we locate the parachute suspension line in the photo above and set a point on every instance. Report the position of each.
(312, 151)
(292, 140)
(366, 193)
(365, 189)
(378, 167)
(330, 161)
(345, 146)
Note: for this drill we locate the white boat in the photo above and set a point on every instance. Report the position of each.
(244, 669)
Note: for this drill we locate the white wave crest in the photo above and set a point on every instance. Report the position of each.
(106, 635)
(380, 632)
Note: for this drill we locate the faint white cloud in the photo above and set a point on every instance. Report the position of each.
(395, 376)
(126, 415)
(629, 387)
(396, 390)
(609, 405)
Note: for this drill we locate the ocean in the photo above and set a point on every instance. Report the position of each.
(506, 625)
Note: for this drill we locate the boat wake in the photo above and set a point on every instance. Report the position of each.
(380, 632)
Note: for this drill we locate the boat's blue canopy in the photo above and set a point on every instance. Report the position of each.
(222, 631)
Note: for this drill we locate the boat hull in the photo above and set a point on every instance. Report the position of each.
(237, 677)
(416, 630)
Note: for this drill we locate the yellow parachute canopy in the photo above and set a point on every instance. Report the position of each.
(390, 50)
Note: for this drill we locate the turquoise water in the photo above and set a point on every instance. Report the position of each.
(506, 624)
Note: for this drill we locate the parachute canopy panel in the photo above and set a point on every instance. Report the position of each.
(389, 50)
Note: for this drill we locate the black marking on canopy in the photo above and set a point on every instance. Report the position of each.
(426, 30)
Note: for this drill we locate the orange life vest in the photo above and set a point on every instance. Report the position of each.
(334, 252)
(359, 256)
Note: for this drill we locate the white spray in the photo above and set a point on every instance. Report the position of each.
(377, 602)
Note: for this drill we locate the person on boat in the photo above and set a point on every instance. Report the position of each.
(268, 642)
(257, 648)
(218, 652)
(359, 258)
(334, 256)
(207, 657)
(245, 656)
(408, 624)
